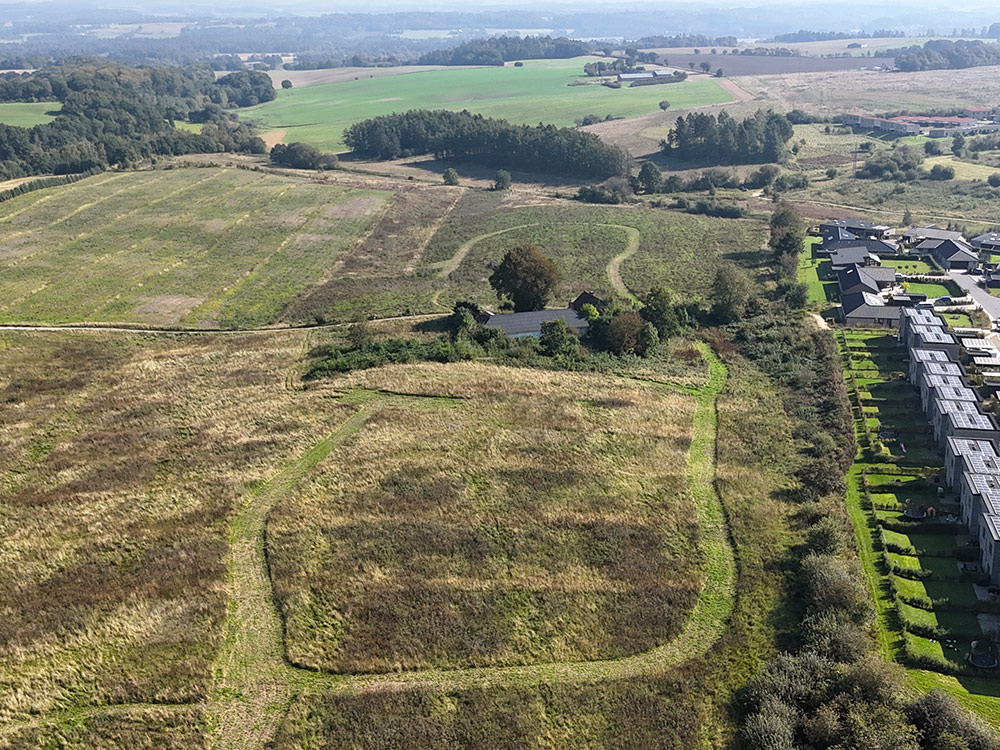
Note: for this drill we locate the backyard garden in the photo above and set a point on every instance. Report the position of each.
(909, 533)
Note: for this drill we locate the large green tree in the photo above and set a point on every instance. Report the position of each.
(731, 292)
(525, 277)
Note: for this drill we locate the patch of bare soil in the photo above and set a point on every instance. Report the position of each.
(303, 78)
(167, 309)
(273, 137)
(356, 207)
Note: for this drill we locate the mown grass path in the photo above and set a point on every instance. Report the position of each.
(446, 268)
(254, 684)
(615, 266)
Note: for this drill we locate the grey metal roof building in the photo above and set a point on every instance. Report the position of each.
(518, 325)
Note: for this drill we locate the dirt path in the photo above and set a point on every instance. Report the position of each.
(447, 267)
(273, 137)
(820, 321)
(734, 88)
(615, 266)
(252, 684)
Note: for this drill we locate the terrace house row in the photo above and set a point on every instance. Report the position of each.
(968, 435)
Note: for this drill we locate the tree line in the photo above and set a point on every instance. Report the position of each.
(945, 54)
(710, 139)
(484, 140)
(500, 49)
(113, 115)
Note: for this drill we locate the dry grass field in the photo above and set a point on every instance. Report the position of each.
(187, 247)
(121, 461)
(510, 517)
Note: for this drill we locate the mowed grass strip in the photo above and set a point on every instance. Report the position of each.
(538, 92)
(544, 517)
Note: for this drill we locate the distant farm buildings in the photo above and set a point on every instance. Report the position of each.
(973, 121)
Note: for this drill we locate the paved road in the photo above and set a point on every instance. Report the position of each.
(986, 300)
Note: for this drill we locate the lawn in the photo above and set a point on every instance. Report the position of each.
(813, 272)
(537, 92)
(932, 290)
(187, 247)
(907, 266)
(27, 114)
(906, 480)
(964, 170)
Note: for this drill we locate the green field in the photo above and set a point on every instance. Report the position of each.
(538, 92)
(813, 272)
(188, 247)
(27, 114)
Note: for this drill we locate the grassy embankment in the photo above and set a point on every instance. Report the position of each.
(537, 92)
(910, 605)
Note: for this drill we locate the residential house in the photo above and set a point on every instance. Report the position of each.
(933, 337)
(845, 257)
(587, 298)
(963, 455)
(854, 279)
(920, 358)
(930, 386)
(529, 324)
(989, 241)
(916, 235)
(963, 421)
(875, 247)
(916, 317)
(979, 494)
(989, 546)
(951, 255)
(857, 228)
(867, 310)
(940, 394)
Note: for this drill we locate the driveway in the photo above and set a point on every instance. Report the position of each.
(987, 301)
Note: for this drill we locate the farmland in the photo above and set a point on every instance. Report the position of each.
(537, 92)
(27, 114)
(232, 248)
(205, 248)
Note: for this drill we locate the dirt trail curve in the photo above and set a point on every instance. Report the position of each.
(615, 266)
(252, 684)
(446, 268)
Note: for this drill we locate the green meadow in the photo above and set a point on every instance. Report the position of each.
(27, 114)
(538, 92)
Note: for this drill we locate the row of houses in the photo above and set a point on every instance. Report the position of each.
(968, 435)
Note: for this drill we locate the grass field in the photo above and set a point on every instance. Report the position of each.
(504, 543)
(188, 247)
(537, 92)
(27, 114)
(122, 459)
(874, 361)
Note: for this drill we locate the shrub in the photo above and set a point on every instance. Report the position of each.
(450, 176)
(994, 179)
(827, 537)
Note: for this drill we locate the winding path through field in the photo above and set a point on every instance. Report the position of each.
(615, 266)
(254, 684)
(447, 267)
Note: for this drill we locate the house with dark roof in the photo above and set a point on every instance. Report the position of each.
(857, 228)
(525, 324)
(835, 236)
(915, 235)
(846, 257)
(952, 255)
(855, 279)
(989, 241)
(991, 279)
(587, 298)
(867, 310)
(876, 247)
